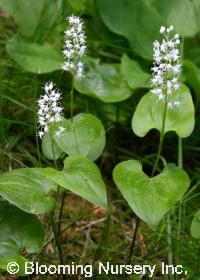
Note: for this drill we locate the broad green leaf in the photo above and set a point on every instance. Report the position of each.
(105, 82)
(176, 12)
(27, 189)
(34, 57)
(82, 177)
(192, 76)
(135, 76)
(149, 114)
(50, 152)
(25, 13)
(18, 231)
(195, 226)
(136, 20)
(85, 137)
(150, 198)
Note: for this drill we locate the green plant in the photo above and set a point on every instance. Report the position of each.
(49, 182)
(167, 107)
(83, 139)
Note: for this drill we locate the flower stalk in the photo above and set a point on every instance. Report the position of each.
(165, 81)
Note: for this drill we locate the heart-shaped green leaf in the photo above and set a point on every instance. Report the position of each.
(149, 114)
(34, 57)
(18, 231)
(103, 81)
(135, 76)
(28, 189)
(81, 176)
(135, 20)
(84, 137)
(150, 198)
(195, 226)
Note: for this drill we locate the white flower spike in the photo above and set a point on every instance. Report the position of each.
(75, 47)
(166, 67)
(49, 109)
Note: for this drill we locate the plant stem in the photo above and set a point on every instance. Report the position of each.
(180, 153)
(61, 210)
(103, 246)
(36, 136)
(53, 225)
(57, 241)
(169, 242)
(180, 165)
(106, 233)
(180, 212)
(53, 151)
(72, 102)
(161, 138)
(133, 240)
(169, 238)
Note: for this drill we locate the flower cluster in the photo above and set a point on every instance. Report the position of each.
(49, 109)
(166, 68)
(75, 47)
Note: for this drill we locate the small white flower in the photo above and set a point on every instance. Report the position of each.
(45, 97)
(60, 131)
(49, 110)
(75, 46)
(41, 133)
(46, 129)
(52, 119)
(166, 67)
(176, 86)
(48, 86)
(162, 29)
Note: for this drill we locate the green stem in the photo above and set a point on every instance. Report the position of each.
(169, 238)
(36, 136)
(161, 139)
(57, 241)
(72, 102)
(180, 209)
(53, 225)
(103, 246)
(180, 153)
(106, 233)
(37, 144)
(133, 240)
(61, 210)
(169, 242)
(53, 151)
